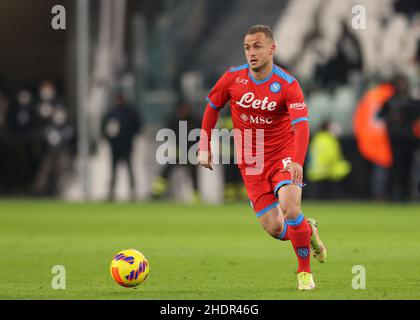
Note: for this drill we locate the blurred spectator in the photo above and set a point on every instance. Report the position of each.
(21, 124)
(183, 113)
(119, 127)
(56, 161)
(373, 141)
(326, 165)
(48, 101)
(402, 117)
(54, 133)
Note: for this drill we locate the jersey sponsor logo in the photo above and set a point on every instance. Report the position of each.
(298, 106)
(241, 80)
(260, 120)
(255, 119)
(275, 87)
(248, 101)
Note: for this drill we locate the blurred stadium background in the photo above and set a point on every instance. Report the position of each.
(56, 87)
(61, 93)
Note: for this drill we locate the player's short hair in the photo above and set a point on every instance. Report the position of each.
(261, 28)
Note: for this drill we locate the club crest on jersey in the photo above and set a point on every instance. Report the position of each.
(275, 87)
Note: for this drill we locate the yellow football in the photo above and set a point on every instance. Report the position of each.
(129, 268)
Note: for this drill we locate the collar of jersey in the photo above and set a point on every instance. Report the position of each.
(263, 80)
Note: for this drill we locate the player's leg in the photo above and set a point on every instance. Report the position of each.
(273, 223)
(266, 207)
(291, 208)
(270, 217)
(289, 197)
(264, 203)
(299, 232)
(267, 211)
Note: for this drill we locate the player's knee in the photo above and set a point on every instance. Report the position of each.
(275, 229)
(290, 210)
(275, 233)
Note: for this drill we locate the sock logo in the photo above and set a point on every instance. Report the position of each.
(303, 252)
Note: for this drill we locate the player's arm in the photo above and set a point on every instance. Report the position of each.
(217, 98)
(300, 120)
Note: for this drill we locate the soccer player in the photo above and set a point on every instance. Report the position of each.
(265, 98)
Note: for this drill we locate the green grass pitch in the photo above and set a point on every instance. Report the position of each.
(204, 252)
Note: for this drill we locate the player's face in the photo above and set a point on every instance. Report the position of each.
(259, 50)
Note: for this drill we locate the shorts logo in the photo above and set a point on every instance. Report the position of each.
(303, 252)
(275, 87)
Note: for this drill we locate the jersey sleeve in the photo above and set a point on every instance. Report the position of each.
(209, 121)
(295, 103)
(299, 116)
(219, 94)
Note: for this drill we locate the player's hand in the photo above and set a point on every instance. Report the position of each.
(296, 172)
(205, 160)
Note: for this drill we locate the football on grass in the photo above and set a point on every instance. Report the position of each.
(129, 268)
